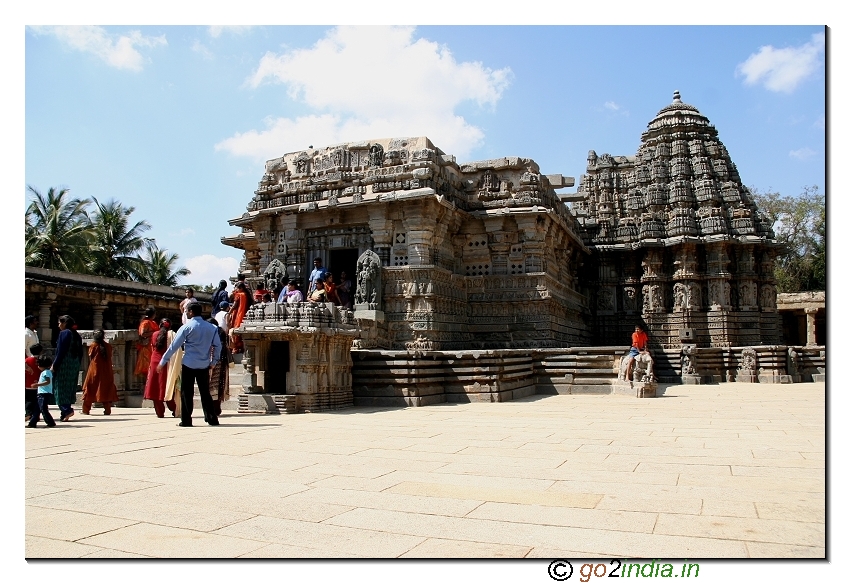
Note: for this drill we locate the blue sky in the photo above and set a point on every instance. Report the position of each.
(178, 120)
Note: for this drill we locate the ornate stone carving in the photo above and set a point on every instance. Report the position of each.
(688, 366)
(368, 280)
(749, 362)
(376, 156)
(793, 361)
(274, 273)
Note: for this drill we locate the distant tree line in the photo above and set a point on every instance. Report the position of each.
(90, 237)
(800, 224)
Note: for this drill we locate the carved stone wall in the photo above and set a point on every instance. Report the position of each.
(482, 255)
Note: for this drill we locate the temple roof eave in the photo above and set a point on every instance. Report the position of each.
(242, 241)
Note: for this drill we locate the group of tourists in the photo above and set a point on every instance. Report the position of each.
(171, 362)
(196, 353)
(323, 287)
(53, 381)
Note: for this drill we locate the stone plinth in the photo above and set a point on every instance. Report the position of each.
(692, 379)
(635, 389)
(779, 378)
(297, 358)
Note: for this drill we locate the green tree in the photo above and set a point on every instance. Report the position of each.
(800, 223)
(159, 267)
(115, 244)
(58, 231)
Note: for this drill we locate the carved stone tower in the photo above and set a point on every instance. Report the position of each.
(677, 240)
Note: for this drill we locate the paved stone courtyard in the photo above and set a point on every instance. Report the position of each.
(729, 470)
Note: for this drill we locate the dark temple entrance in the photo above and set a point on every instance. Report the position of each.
(278, 366)
(343, 260)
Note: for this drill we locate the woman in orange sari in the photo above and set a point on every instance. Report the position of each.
(236, 315)
(146, 330)
(99, 386)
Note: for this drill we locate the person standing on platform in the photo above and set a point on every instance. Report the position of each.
(156, 381)
(31, 336)
(147, 327)
(201, 350)
(66, 366)
(237, 312)
(99, 386)
(343, 290)
(291, 294)
(221, 316)
(219, 296)
(318, 273)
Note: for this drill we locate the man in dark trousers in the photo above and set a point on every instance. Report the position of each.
(196, 337)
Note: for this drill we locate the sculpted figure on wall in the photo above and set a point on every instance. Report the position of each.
(376, 156)
(748, 361)
(679, 296)
(274, 273)
(368, 280)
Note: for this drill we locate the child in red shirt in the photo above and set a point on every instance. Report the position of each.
(30, 377)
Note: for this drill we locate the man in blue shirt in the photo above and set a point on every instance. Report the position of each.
(202, 348)
(318, 272)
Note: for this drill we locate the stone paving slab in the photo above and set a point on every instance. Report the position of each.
(729, 470)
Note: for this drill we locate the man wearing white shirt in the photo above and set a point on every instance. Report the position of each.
(31, 335)
(221, 315)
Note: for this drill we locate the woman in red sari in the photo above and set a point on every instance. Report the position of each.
(156, 383)
(99, 386)
(146, 330)
(236, 315)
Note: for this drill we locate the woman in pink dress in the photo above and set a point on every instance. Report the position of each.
(156, 382)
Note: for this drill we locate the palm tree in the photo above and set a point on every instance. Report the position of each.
(159, 266)
(58, 231)
(115, 245)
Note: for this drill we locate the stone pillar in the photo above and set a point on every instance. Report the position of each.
(97, 315)
(810, 326)
(419, 246)
(120, 323)
(382, 236)
(45, 334)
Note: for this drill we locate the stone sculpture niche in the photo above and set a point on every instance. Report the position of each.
(368, 295)
(273, 274)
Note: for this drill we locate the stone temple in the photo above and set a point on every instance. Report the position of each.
(491, 285)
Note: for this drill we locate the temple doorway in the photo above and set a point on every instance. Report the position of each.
(277, 366)
(344, 260)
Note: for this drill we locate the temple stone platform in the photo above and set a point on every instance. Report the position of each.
(714, 471)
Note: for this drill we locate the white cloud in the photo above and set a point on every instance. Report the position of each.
(118, 51)
(183, 232)
(802, 153)
(416, 93)
(202, 50)
(612, 106)
(783, 69)
(215, 31)
(208, 269)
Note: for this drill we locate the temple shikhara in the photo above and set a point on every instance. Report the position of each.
(479, 280)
